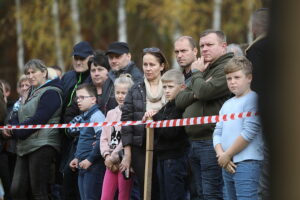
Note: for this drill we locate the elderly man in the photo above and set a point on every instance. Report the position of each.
(82, 52)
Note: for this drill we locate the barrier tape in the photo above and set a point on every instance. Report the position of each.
(149, 123)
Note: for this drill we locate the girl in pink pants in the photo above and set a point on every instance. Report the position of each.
(110, 145)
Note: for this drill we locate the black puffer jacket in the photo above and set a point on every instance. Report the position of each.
(108, 100)
(134, 108)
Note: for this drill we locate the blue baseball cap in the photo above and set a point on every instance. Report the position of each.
(82, 49)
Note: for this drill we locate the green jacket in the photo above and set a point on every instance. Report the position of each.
(211, 91)
(41, 137)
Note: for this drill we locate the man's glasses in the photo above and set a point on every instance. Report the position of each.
(151, 50)
(81, 98)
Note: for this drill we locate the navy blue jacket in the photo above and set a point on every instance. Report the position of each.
(69, 80)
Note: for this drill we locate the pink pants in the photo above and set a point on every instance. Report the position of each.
(111, 182)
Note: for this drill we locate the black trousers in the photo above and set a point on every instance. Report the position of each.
(70, 185)
(32, 175)
(5, 174)
(138, 157)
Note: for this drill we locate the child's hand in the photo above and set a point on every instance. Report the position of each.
(85, 164)
(224, 159)
(108, 162)
(230, 167)
(149, 114)
(74, 164)
(114, 168)
(125, 164)
(6, 133)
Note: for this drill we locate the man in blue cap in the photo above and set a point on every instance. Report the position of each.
(82, 52)
(120, 62)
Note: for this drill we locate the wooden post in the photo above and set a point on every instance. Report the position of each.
(148, 163)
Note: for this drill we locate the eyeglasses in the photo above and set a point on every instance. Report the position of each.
(81, 98)
(151, 50)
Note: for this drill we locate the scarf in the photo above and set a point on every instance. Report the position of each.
(154, 101)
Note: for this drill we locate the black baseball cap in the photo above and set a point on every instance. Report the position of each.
(82, 49)
(118, 48)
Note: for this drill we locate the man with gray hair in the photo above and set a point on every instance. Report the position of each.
(204, 97)
(256, 52)
(186, 53)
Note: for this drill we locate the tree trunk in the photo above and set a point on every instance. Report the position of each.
(75, 19)
(58, 51)
(19, 38)
(217, 14)
(122, 23)
(176, 34)
(250, 34)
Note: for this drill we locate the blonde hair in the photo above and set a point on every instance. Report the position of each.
(173, 75)
(124, 79)
(238, 63)
(52, 74)
(22, 79)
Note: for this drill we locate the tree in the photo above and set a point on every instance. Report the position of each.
(56, 23)
(76, 21)
(20, 45)
(217, 14)
(122, 23)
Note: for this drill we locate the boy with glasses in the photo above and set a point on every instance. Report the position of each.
(87, 156)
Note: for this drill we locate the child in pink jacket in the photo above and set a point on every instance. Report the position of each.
(110, 145)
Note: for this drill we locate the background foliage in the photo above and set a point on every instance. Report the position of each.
(149, 23)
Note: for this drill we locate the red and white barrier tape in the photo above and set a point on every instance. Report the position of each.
(149, 123)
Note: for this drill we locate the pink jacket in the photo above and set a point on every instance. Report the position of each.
(105, 139)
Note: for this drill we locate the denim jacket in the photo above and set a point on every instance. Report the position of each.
(88, 143)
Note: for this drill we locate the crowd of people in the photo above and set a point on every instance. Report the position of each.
(226, 160)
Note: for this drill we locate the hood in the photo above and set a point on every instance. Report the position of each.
(54, 83)
(222, 59)
(115, 74)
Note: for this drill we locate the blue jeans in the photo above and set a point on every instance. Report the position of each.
(205, 168)
(243, 184)
(172, 177)
(90, 181)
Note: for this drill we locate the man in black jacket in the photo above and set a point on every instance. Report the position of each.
(120, 62)
(257, 50)
(257, 53)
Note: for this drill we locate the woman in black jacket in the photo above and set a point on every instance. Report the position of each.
(142, 97)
